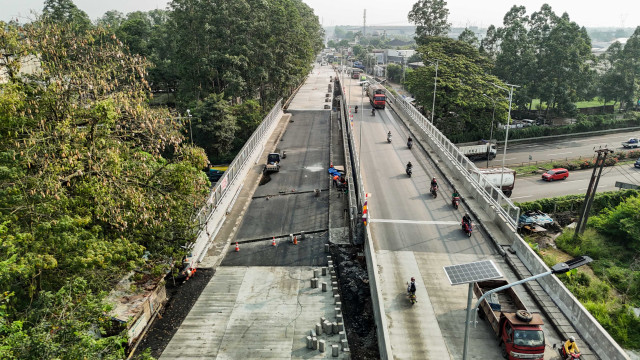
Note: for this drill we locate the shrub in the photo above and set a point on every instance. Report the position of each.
(610, 161)
(587, 164)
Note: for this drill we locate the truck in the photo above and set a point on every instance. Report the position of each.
(477, 151)
(631, 143)
(502, 178)
(273, 163)
(377, 96)
(355, 73)
(518, 330)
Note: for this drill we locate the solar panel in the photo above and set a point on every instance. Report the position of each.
(472, 272)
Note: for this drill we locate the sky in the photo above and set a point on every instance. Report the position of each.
(589, 13)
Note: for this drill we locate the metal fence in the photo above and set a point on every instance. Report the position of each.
(490, 197)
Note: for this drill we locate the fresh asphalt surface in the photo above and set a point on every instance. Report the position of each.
(286, 204)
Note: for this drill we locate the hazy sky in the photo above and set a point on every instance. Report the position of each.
(610, 13)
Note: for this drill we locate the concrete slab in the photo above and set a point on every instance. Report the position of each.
(255, 313)
(312, 94)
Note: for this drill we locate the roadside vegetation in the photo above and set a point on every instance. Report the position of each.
(95, 182)
(610, 286)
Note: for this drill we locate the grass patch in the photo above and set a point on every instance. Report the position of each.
(536, 104)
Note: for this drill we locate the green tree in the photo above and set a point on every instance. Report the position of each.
(215, 126)
(66, 12)
(91, 178)
(430, 17)
(394, 72)
(462, 80)
(469, 37)
(621, 223)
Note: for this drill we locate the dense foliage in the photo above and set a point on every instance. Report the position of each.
(93, 181)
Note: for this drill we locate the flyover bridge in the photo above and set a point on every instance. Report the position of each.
(409, 233)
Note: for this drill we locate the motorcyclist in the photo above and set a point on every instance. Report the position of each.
(570, 346)
(409, 141)
(373, 111)
(409, 165)
(466, 219)
(356, 109)
(389, 135)
(455, 195)
(434, 184)
(411, 289)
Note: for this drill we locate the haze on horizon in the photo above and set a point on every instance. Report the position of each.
(462, 13)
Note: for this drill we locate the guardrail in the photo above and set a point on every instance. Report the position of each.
(488, 195)
(219, 192)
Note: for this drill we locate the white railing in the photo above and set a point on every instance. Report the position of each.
(489, 196)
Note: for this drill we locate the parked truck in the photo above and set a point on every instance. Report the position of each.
(631, 143)
(377, 96)
(519, 331)
(477, 151)
(502, 178)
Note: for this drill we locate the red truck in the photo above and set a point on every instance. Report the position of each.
(377, 97)
(519, 332)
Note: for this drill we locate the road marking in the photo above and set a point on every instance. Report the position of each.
(414, 222)
(562, 153)
(571, 181)
(522, 197)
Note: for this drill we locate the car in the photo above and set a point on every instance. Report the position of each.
(556, 174)
(637, 164)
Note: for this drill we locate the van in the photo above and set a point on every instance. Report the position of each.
(637, 164)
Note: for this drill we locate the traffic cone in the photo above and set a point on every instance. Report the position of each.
(295, 240)
(237, 247)
(273, 243)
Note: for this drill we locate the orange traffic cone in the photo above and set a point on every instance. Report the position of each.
(237, 247)
(274, 241)
(295, 240)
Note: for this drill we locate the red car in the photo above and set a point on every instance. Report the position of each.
(556, 174)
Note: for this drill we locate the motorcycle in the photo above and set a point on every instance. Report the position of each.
(389, 138)
(356, 109)
(409, 144)
(467, 228)
(411, 296)
(373, 112)
(409, 171)
(455, 202)
(434, 191)
(564, 355)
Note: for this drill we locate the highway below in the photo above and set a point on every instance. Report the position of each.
(530, 188)
(546, 150)
(416, 235)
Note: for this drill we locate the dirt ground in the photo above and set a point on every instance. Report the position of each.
(356, 302)
(182, 297)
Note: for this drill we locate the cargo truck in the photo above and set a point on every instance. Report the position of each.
(475, 151)
(502, 178)
(519, 331)
(377, 97)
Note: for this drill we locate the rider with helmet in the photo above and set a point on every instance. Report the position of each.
(570, 346)
(411, 289)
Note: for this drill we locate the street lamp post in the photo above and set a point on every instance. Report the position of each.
(559, 268)
(506, 136)
(493, 117)
(433, 105)
(190, 131)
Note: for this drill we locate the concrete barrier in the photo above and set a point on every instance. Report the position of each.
(382, 331)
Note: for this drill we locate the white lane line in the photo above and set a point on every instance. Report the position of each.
(572, 181)
(562, 153)
(522, 197)
(414, 222)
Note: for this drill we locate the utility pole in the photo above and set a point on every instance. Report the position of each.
(591, 190)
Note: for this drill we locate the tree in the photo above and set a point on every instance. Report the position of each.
(394, 72)
(469, 37)
(462, 80)
(91, 180)
(430, 17)
(66, 12)
(489, 44)
(111, 18)
(215, 127)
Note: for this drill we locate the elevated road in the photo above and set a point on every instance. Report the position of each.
(417, 235)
